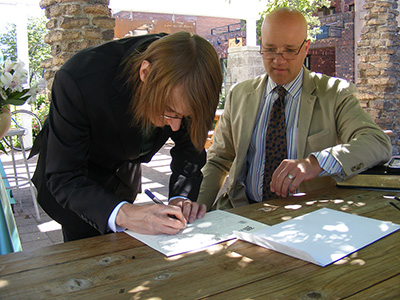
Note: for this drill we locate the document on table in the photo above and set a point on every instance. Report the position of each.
(215, 227)
(321, 237)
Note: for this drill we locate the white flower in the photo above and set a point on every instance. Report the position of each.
(7, 81)
(13, 77)
(32, 92)
(8, 65)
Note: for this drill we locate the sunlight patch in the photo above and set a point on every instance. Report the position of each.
(49, 226)
(293, 206)
(3, 283)
(140, 288)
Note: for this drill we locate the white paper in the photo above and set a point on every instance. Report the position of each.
(215, 227)
(321, 237)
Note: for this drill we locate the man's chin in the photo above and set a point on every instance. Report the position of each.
(279, 76)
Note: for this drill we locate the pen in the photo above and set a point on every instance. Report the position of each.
(153, 197)
(392, 197)
(157, 201)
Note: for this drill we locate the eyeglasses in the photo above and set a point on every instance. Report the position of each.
(172, 117)
(186, 119)
(270, 53)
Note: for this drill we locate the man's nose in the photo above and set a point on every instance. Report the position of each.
(175, 124)
(278, 58)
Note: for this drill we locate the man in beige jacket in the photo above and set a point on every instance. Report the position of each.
(329, 136)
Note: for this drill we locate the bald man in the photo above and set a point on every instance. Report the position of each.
(329, 137)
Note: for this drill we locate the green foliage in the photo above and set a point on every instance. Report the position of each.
(307, 7)
(41, 106)
(221, 103)
(38, 49)
(8, 42)
(17, 98)
(3, 149)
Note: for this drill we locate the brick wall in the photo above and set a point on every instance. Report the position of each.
(342, 44)
(322, 60)
(345, 49)
(132, 23)
(136, 23)
(205, 24)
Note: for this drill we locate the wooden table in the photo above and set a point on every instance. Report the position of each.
(116, 266)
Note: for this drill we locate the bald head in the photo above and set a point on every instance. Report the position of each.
(285, 17)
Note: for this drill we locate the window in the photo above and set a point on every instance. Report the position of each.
(326, 11)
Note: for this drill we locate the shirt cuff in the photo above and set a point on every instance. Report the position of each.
(111, 220)
(328, 163)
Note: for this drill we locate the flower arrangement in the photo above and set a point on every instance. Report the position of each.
(12, 78)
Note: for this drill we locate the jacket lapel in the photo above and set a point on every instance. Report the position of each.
(307, 103)
(249, 111)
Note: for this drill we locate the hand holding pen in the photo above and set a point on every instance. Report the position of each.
(157, 201)
(150, 218)
(191, 210)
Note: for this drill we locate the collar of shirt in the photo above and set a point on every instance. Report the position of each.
(293, 88)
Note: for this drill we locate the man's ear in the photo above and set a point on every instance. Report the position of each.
(144, 70)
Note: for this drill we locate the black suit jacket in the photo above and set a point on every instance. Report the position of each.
(90, 151)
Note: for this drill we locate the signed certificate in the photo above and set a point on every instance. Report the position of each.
(215, 227)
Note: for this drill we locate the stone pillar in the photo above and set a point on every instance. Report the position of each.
(243, 63)
(74, 25)
(378, 70)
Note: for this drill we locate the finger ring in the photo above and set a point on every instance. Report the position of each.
(290, 176)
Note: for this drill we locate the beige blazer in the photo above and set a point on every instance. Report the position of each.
(330, 118)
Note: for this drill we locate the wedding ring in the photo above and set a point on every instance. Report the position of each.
(290, 176)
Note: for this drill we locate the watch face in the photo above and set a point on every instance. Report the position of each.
(393, 167)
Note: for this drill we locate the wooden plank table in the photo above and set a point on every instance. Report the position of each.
(116, 266)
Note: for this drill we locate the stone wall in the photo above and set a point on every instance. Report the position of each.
(74, 25)
(243, 63)
(378, 80)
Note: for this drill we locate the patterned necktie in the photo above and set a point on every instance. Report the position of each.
(275, 142)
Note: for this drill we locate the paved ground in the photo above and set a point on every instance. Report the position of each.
(35, 234)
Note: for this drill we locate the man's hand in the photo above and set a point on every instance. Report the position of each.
(191, 210)
(292, 172)
(151, 218)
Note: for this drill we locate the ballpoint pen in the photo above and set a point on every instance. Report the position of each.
(157, 201)
(392, 197)
(153, 197)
